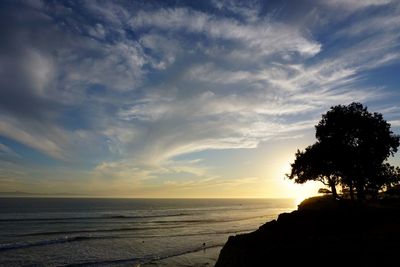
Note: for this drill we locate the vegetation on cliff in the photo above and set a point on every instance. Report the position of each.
(352, 149)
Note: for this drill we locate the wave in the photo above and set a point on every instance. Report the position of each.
(145, 259)
(144, 228)
(135, 229)
(105, 217)
(164, 224)
(241, 231)
(126, 229)
(211, 233)
(192, 221)
(217, 220)
(66, 239)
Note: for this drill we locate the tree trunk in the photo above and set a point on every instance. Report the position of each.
(360, 191)
(351, 191)
(333, 189)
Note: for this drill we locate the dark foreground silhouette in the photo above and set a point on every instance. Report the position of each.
(322, 232)
(352, 149)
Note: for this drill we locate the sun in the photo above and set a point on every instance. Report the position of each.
(298, 192)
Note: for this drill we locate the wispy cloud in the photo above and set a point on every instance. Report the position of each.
(265, 37)
(354, 4)
(129, 90)
(6, 151)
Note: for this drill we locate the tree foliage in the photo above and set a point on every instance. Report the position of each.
(312, 164)
(351, 149)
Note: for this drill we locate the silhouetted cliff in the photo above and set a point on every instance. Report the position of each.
(321, 232)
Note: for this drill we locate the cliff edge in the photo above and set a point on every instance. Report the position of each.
(322, 231)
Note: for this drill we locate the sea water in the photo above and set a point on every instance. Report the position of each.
(126, 232)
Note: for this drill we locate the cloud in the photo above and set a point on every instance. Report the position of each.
(14, 131)
(233, 107)
(7, 152)
(395, 123)
(131, 90)
(67, 67)
(117, 66)
(265, 37)
(354, 4)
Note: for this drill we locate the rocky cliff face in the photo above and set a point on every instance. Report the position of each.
(333, 235)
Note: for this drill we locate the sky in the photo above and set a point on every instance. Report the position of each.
(183, 98)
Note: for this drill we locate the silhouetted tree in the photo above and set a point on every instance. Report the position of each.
(359, 142)
(387, 176)
(312, 164)
(352, 146)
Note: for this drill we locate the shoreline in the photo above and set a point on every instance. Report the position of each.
(198, 258)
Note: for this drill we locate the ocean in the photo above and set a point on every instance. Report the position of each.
(126, 232)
